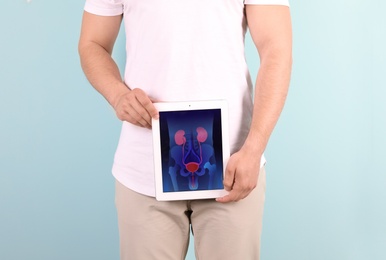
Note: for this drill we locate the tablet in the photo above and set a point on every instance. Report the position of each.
(191, 149)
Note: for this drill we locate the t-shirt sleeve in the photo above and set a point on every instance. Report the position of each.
(266, 2)
(104, 7)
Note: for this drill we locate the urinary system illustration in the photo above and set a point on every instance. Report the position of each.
(193, 156)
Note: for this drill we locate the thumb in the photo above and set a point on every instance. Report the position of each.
(229, 177)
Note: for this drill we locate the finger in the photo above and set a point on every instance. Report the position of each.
(229, 177)
(138, 112)
(135, 107)
(133, 117)
(232, 196)
(237, 193)
(148, 105)
(150, 108)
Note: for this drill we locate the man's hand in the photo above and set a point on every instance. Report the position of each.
(135, 107)
(241, 175)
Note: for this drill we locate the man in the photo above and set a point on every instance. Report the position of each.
(187, 50)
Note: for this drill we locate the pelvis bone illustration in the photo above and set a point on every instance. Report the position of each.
(193, 155)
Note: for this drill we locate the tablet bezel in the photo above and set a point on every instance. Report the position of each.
(189, 106)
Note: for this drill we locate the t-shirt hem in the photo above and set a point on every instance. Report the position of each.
(103, 11)
(266, 2)
(121, 176)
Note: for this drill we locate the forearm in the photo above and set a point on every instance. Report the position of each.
(270, 28)
(102, 71)
(270, 94)
(96, 44)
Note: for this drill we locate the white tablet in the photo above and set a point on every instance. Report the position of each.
(191, 149)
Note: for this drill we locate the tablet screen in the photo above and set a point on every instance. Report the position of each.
(191, 150)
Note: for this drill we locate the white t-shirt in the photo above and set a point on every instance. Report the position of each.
(181, 51)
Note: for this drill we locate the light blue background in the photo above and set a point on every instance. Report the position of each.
(327, 176)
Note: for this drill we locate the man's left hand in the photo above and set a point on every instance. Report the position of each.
(241, 175)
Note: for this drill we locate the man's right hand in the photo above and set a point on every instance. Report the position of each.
(135, 107)
(95, 47)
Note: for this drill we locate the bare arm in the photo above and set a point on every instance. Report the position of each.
(270, 28)
(96, 44)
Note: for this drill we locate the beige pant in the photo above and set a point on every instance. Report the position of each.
(150, 229)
